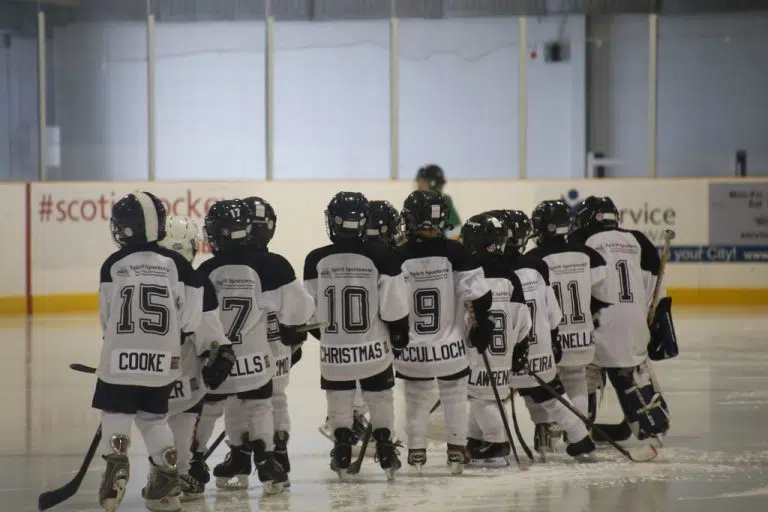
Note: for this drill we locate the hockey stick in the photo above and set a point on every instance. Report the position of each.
(52, 498)
(82, 368)
(215, 445)
(503, 414)
(668, 236)
(519, 434)
(639, 454)
(354, 468)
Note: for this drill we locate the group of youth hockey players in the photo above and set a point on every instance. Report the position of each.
(392, 296)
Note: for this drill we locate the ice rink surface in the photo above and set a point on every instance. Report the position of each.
(715, 458)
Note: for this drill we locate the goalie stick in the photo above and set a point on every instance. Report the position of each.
(640, 454)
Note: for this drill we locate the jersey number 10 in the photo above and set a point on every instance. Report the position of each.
(354, 310)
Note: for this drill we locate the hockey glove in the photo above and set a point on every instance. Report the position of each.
(520, 355)
(480, 334)
(557, 348)
(295, 355)
(290, 336)
(221, 363)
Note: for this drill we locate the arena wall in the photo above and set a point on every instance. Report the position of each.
(57, 234)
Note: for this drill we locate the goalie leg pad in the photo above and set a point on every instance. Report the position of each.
(644, 407)
(663, 343)
(453, 396)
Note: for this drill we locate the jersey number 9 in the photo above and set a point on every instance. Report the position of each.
(426, 305)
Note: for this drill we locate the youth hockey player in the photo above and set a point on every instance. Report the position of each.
(485, 236)
(359, 290)
(442, 276)
(249, 285)
(621, 339)
(432, 177)
(187, 393)
(576, 275)
(543, 350)
(148, 297)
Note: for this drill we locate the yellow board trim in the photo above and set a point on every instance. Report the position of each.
(89, 303)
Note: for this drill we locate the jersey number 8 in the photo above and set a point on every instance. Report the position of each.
(498, 346)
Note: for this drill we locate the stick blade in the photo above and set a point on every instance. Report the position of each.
(644, 453)
(50, 499)
(82, 368)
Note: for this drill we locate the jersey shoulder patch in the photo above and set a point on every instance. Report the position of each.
(595, 259)
(313, 258)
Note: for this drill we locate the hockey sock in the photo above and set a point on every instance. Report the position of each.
(574, 379)
(156, 433)
(212, 411)
(183, 428)
(114, 424)
(569, 422)
(261, 424)
(486, 414)
(359, 403)
(280, 413)
(235, 420)
(418, 401)
(453, 395)
(340, 408)
(382, 407)
(538, 414)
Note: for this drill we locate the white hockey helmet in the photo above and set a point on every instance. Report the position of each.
(183, 236)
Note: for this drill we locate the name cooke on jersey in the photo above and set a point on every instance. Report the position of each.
(574, 340)
(431, 353)
(352, 354)
(251, 364)
(137, 361)
(481, 378)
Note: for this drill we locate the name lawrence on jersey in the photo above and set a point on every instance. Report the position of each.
(482, 378)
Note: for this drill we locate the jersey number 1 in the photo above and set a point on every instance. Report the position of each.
(157, 316)
(577, 315)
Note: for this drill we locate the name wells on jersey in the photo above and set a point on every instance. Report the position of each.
(419, 353)
(143, 361)
(251, 364)
(352, 354)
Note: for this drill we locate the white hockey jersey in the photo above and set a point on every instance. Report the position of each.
(621, 340)
(576, 275)
(545, 315)
(189, 389)
(249, 284)
(358, 287)
(441, 276)
(512, 323)
(148, 297)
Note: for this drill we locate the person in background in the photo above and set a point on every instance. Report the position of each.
(432, 177)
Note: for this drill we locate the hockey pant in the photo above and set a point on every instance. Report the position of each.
(574, 379)
(485, 422)
(183, 428)
(341, 405)
(645, 409)
(418, 402)
(154, 430)
(540, 402)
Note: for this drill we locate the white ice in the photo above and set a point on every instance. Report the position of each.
(715, 458)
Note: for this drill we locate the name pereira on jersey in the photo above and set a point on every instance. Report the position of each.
(353, 354)
(540, 364)
(432, 353)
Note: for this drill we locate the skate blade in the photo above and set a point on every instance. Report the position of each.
(492, 462)
(190, 496)
(587, 458)
(236, 483)
(112, 504)
(390, 472)
(167, 504)
(457, 468)
(271, 488)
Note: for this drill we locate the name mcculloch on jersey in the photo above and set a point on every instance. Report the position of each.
(148, 297)
(512, 323)
(249, 285)
(545, 315)
(441, 276)
(576, 274)
(632, 265)
(357, 287)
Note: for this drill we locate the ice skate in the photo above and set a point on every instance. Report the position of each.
(281, 452)
(163, 488)
(386, 453)
(198, 469)
(417, 457)
(191, 488)
(341, 455)
(491, 455)
(458, 457)
(542, 440)
(583, 450)
(114, 481)
(232, 474)
(270, 472)
(115, 478)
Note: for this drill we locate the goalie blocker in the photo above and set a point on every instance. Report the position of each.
(663, 342)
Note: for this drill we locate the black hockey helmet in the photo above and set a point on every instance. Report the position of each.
(347, 215)
(596, 213)
(425, 210)
(551, 219)
(228, 224)
(433, 175)
(383, 222)
(518, 229)
(263, 221)
(137, 218)
(484, 233)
